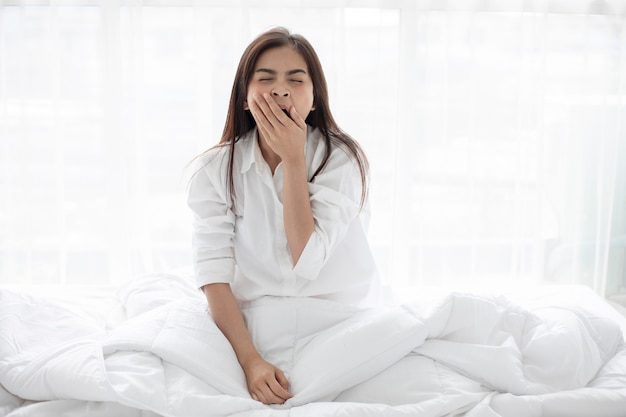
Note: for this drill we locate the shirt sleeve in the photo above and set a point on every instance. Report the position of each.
(213, 228)
(335, 196)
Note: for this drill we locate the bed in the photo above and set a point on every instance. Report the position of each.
(147, 348)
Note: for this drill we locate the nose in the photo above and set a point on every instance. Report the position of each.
(280, 91)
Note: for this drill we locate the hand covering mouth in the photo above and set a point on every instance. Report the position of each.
(285, 109)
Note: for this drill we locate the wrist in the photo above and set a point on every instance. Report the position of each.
(294, 163)
(249, 359)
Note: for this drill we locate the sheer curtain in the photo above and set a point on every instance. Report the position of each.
(495, 132)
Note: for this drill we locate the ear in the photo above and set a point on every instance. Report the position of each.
(245, 105)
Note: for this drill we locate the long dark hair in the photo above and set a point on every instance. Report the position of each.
(239, 121)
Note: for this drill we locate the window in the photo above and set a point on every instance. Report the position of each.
(495, 133)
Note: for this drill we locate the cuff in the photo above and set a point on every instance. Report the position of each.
(214, 271)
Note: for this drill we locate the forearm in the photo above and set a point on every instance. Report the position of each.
(297, 212)
(266, 383)
(228, 317)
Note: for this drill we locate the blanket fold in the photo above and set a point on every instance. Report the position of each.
(470, 354)
(513, 350)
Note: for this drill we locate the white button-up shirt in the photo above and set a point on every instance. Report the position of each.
(246, 245)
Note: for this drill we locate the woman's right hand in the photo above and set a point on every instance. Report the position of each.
(266, 383)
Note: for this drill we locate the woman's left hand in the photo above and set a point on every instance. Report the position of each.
(286, 135)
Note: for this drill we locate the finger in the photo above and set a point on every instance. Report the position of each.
(278, 389)
(260, 396)
(263, 125)
(295, 116)
(282, 379)
(264, 112)
(275, 109)
(257, 112)
(270, 397)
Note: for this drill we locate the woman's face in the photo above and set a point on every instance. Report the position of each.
(283, 74)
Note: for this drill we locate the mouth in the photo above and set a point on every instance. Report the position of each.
(285, 110)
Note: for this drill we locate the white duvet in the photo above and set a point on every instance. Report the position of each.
(470, 355)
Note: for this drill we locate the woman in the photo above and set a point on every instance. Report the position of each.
(280, 204)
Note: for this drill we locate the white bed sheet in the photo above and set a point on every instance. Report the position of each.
(149, 349)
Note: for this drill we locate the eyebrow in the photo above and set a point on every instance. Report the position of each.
(274, 72)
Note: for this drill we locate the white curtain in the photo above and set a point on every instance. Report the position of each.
(495, 131)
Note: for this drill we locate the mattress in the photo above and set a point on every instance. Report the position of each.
(149, 348)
